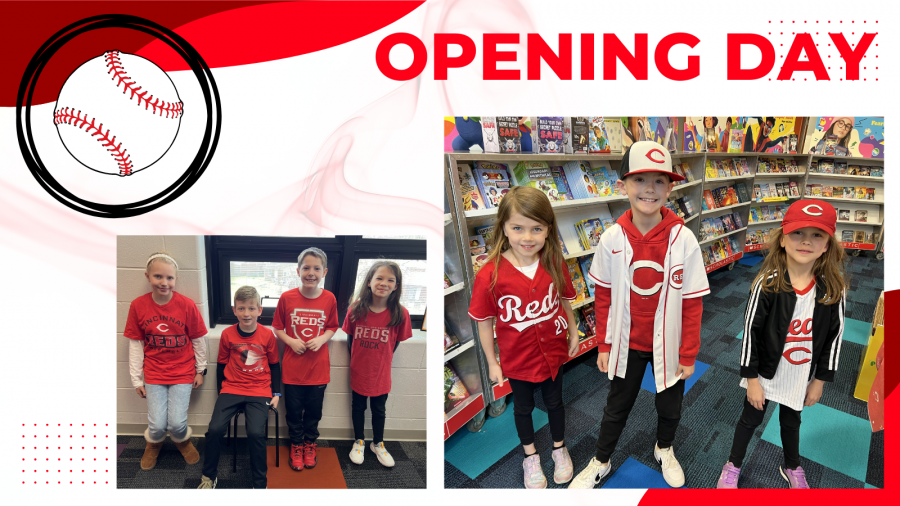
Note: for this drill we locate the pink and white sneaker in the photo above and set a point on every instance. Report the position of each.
(795, 477)
(534, 475)
(729, 476)
(563, 468)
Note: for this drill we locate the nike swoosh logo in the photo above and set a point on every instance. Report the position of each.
(614, 251)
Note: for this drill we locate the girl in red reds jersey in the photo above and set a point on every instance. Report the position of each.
(375, 325)
(525, 286)
(793, 329)
(165, 332)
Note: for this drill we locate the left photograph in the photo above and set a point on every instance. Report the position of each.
(270, 362)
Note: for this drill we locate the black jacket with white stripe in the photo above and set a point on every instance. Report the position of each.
(766, 322)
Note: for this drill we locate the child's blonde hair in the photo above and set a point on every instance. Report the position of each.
(247, 293)
(161, 256)
(534, 205)
(830, 267)
(359, 307)
(316, 252)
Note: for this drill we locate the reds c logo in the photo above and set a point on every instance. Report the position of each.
(162, 327)
(813, 213)
(654, 160)
(677, 277)
(645, 264)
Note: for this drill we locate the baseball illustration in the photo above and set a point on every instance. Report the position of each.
(118, 113)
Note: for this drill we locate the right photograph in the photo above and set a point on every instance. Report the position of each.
(663, 302)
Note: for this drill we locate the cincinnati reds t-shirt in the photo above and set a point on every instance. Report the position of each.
(306, 319)
(247, 361)
(788, 386)
(166, 331)
(372, 350)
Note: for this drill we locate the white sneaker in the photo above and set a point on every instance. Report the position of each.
(358, 453)
(383, 456)
(592, 474)
(671, 469)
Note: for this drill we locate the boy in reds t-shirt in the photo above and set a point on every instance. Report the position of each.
(375, 325)
(165, 331)
(305, 320)
(248, 378)
(650, 281)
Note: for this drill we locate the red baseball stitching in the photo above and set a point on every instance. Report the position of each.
(161, 107)
(71, 117)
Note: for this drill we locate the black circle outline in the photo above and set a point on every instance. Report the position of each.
(204, 78)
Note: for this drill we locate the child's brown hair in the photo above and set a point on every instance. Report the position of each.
(359, 308)
(829, 266)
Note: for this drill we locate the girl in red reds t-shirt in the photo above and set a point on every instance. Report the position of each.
(525, 287)
(305, 320)
(375, 324)
(165, 330)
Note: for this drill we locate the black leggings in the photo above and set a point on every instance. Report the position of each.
(358, 415)
(523, 395)
(750, 420)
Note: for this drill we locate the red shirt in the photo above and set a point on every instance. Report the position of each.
(166, 331)
(532, 327)
(303, 318)
(247, 361)
(372, 350)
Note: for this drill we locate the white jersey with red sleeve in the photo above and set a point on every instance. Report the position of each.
(685, 277)
(532, 327)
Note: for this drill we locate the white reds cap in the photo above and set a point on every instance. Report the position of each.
(648, 156)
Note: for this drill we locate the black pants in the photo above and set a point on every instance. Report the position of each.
(622, 394)
(378, 416)
(256, 415)
(750, 420)
(523, 395)
(304, 410)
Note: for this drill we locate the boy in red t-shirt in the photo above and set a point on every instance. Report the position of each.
(375, 325)
(305, 319)
(248, 378)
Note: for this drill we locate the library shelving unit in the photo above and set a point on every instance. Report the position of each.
(874, 209)
(777, 177)
(466, 359)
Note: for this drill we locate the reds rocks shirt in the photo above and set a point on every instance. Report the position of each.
(247, 361)
(788, 386)
(306, 319)
(532, 328)
(166, 331)
(372, 350)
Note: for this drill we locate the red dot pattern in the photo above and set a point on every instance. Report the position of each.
(81, 464)
(823, 54)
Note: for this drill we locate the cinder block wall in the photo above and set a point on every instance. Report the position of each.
(405, 405)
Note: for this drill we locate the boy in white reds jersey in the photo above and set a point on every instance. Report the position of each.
(650, 278)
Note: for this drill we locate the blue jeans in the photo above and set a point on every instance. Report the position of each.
(167, 409)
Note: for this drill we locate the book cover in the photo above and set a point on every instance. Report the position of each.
(757, 192)
(738, 223)
(864, 171)
(536, 174)
(478, 261)
(603, 177)
(795, 190)
(847, 236)
(859, 236)
(843, 215)
(593, 228)
(508, 133)
(493, 181)
(615, 133)
(567, 135)
(840, 167)
(826, 167)
(705, 253)
(598, 138)
(719, 225)
(607, 223)
(455, 392)
(737, 141)
(450, 341)
(876, 171)
(585, 264)
(848, 192)
(580, 134)
(473, 200)
(762, 166)
(711, 170)
(826, 190)
(743, 196)
(730, 169)
(817, 190)
(722, 169)
(795, 167)
(779, 187)
(754, 215)
(731, 196)
(861, 192)
(562, 244)
(590, 322)
(562, 186)
(580, 178)
(792, 143)
(813, 166)
(550, 134)
(870, 193)
(728, 224)
(830, 143)
(487, 232)
(862, 216)
(489, 134)
(476, 244)
(766, 213)
(577, 279)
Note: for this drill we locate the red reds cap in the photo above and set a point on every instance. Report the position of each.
(648, 156)
(810, 213)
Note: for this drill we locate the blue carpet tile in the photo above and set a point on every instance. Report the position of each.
(712, 404)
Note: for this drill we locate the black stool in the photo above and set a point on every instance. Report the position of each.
(277, 439)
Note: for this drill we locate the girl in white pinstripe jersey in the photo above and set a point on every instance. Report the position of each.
(793, 329)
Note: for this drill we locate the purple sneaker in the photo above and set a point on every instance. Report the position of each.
(729, 476)
(795, 477)
(563, 468)
(534, 475)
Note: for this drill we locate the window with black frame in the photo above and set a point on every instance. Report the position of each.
(270, 265)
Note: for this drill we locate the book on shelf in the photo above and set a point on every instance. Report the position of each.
(577, 279)
(536, 174)
(826, 167)
(472, 198)
(447, 282)
(737, 141)
(870, 193)
(721, 168)
(813, 167)
(728, 223)
(476, 244)
(493, 181)
(605, 177)
(859, 236)
(478, 262)
(847, 236)
(862, 215)
(719, 226)
(864, 171)
(489, 134)
(562, 244)
(876, 171)
(598, 138)
(743, 195)
(450, 340)
(736, 217)
(754, 215)
(711, 170)
(762, 166)
(848, 192)
(607, 222)
(843, 215)
(455, 392)
(580, 178)
(563, 192)
(795, 189)
(486, 232)
(614, 129)
(585, 264)
(590, 322)
(580, 134)
(792, 143)
(508, 132)
(551, 135)
(861, 192)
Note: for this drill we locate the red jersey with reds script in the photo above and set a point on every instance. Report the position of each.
(532, 327)
(372, 350)
(303, 318)
(247, 361)
(167, 331)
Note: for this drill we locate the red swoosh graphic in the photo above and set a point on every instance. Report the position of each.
(225, 33)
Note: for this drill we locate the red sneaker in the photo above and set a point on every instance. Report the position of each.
(296, 459)
(309, 455)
